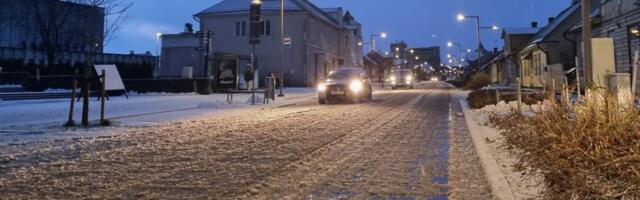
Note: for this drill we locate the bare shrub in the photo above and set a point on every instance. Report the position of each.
(481, 98)
(589, 151)
(478, 81)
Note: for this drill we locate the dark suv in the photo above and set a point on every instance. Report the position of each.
(345, 84)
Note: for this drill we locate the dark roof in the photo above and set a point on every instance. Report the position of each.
(519, 31)
(559, 20)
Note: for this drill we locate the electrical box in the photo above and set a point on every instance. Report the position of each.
(604, 62)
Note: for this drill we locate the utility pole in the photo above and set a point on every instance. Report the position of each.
(586, 41)
(281, 48)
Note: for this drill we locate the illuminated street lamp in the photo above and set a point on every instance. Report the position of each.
(373, 42)
(461, 17)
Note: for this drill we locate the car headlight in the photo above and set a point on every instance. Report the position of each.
(322, 87)
(356, 86)
(392, 78)
(409, 78)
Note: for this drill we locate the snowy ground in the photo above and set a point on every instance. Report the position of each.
(406, 144)
(498, 163)
(34, 120)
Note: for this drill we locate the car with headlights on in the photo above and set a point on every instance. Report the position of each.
(351, 84)
(401, 79)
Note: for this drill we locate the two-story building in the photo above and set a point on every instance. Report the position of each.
(319, 40)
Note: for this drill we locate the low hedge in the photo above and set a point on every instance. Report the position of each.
(481, 98)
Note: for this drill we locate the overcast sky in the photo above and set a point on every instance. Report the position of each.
(418, 22)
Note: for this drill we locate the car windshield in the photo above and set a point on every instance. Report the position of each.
(341, 75)
(401, 73)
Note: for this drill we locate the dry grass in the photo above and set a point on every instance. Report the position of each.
(587, 151)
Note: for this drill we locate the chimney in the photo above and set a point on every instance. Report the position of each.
(551, 19)
(534, 24)
(131, 52)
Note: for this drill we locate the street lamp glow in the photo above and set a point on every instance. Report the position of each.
(468, 50)
(386, 53)
(397, 49)
(256, 2)
(494, 27)
(448, 55)
(461, 17)
(417, 57)
(411, 51)
(449, 44)
(158, 35)
(359, 43)
(383, 35)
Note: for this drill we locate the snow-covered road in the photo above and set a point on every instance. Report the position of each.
(407, 144)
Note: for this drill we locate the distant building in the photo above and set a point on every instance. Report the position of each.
(399, 50)
(429, 56)
(507, 64)
(321, 39)
(550, 52)
(181, 56)
(19, 26)
(21, 40)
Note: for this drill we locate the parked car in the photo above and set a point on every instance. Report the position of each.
(403, 78)
(346, 83)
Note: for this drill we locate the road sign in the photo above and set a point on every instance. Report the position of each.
(288, 41)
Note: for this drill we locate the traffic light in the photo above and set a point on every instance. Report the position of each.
(254, 20)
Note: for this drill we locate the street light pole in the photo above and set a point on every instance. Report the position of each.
(281, 48)
(462, 17)
(586, 39)
(373, 42)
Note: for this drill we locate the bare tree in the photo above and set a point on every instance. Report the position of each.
(59, 23)
(112, 20)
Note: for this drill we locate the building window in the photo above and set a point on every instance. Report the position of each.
(237, 28)
(244, 28)
(634, 40)
(265, 27)
(346, 41)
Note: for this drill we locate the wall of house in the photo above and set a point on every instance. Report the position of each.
(179, 51)
(315, 47)
(619, 18)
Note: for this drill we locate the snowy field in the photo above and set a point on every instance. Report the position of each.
(28, 120)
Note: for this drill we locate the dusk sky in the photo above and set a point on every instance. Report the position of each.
(417, 22)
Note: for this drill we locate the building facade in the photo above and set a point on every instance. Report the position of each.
(619, 20)
(320, 39)
(69, 24)
(72, 25)
(429, 56)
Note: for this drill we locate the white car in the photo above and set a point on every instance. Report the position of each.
(401, 79)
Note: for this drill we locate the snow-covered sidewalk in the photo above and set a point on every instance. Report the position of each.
(498, 164)
(33, 120)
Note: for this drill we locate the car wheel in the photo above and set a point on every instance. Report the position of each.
(322, 101)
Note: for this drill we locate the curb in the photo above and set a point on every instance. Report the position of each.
(500, 188)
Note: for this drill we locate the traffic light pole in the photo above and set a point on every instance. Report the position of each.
(281, 48)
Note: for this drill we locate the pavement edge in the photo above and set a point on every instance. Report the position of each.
(500, 188)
